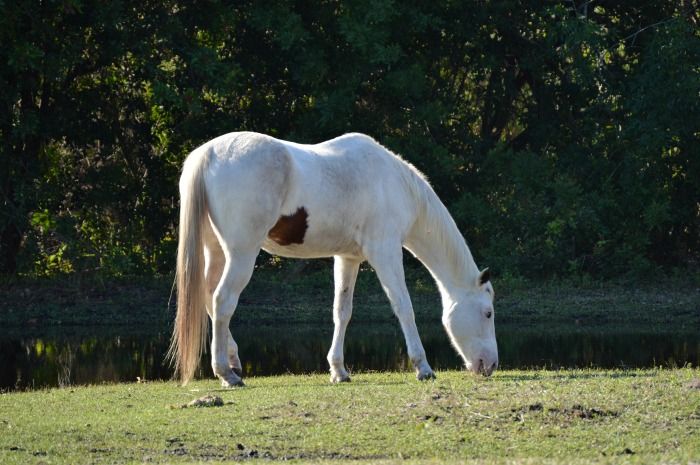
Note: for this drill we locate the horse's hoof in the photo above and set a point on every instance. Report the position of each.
(425, 376)
(232, 380)
(335, 379)
(228, 384)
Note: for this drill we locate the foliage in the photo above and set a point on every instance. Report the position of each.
(562, 135)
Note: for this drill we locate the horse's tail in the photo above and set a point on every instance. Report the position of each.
(189, 332)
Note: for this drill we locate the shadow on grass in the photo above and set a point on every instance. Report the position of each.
(356, 381)
(539, 375)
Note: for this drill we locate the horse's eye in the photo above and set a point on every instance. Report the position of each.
(488, 314)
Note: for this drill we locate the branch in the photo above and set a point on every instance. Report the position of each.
(583, 6)
(634, 36)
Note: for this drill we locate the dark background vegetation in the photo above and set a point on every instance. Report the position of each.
(563, 136)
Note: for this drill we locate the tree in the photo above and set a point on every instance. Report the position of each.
(552, 131)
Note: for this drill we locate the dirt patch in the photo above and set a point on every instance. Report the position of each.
(206, 401)
(431, 419)
(240, 452)
(578, 411)
(536, 407)
(694, 384)
(519, 413)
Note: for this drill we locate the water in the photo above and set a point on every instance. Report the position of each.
(35, 361)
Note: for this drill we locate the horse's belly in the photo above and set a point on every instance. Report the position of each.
(308, 251)
(294, 236)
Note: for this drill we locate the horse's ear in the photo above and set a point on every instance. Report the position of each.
(484, 276)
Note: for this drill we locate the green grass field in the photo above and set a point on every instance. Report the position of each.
(646, 416)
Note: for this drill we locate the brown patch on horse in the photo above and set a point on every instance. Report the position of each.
(290, 229)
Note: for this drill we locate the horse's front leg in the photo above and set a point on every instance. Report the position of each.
(387, 261)
(345, 274)
(235, 277)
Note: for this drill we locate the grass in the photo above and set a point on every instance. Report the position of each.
(589, 416)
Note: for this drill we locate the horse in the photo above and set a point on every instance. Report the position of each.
(349, 198)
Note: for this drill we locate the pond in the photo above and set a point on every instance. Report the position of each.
(81, 358)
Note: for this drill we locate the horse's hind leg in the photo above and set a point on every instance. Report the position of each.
(387, 261)
(213, 269)
(345, 274)
(235, 276)
(233, 359)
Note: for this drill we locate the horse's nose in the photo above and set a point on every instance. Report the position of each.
(493, 367)
(486, 369)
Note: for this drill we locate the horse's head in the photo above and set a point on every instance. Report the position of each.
(469, 323)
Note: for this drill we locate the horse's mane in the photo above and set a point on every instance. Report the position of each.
(433, 217)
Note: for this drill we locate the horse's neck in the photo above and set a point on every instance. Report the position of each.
(436, 241)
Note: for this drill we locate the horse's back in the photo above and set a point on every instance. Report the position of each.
(353, 176)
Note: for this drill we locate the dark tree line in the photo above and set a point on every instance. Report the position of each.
(563, 136)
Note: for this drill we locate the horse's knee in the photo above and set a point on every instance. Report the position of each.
(341, 316)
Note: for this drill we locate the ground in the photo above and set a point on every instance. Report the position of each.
(556, 416)
(589, 416)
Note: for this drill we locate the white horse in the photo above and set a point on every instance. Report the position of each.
(349, 198)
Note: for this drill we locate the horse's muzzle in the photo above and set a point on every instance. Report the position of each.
(486, 368)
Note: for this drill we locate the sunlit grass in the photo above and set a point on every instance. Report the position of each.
(519, 416)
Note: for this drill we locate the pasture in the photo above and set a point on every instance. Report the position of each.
(578, 416)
